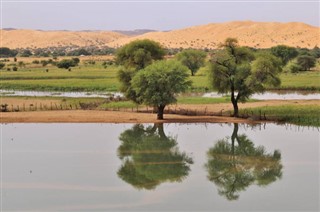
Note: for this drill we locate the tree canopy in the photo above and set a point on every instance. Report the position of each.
(306, 62)
(158, 84)
(140, 53)
(234, 69)
(7, 52)
(284, 52)
(67, 63)
(193, 59)
(135, 56)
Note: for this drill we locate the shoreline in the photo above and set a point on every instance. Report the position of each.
(94, 116)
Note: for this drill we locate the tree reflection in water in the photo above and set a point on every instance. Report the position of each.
(151, 158)
(233, 167)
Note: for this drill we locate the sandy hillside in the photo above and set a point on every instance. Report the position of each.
(40, 39)
(249, 33)
(253, 34)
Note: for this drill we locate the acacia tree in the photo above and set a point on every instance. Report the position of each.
(193, 59)
(140, 53)
(306, 62)
(234, 69)
(134, 57)
(158, 83)
(284, 52)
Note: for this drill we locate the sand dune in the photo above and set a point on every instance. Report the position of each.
(253, 34)
(41, 39)
(249, 33)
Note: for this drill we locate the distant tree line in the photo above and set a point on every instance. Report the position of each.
(55, 51)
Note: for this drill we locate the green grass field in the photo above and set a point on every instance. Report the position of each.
(295, 114)
(97, 78)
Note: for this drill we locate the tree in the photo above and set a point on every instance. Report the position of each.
(2, 65)
(138, 54)
(316, 52)
(234, 69)
(158, 84)
(26, 53)
(6, 52)
(234, 166)
(149, 157)
(306, 62)
(284, 52)
(65, 63)
(193, 59)
(134, 57)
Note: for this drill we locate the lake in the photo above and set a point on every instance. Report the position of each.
(169, 167)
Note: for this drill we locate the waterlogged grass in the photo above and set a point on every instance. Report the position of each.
(296, 114)
(71, 84)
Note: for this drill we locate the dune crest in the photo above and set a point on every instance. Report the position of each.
(249, 33)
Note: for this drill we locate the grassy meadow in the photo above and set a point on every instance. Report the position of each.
(88, 77)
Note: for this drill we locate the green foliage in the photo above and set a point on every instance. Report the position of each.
(158, 84)
(306, 62)
(284, 52)
(75, 60)
(14, 68)
(21, 64)
(234, 70)
(303, 115)
(26, 53)
(292, 67)
(6, 52)
(265, 71)
(193, 59)
(140, 53)
(78, 52)
(66, 63)
(125, 76)
(316, 52)
(2, 65)
(35, 61)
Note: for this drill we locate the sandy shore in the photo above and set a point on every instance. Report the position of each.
(96, 116)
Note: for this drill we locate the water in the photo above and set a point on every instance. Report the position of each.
(279, 95)
(185, 167)
(60, 94)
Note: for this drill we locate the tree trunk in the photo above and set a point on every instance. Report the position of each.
(235, 105)
(160, 112)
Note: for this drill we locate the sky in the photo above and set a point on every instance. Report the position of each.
(149, 14)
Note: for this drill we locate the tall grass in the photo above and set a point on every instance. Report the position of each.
(305, 115)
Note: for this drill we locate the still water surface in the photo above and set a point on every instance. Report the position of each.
(186, 167)
(271, 95)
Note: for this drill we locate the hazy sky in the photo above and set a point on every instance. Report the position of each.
(159, 15)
